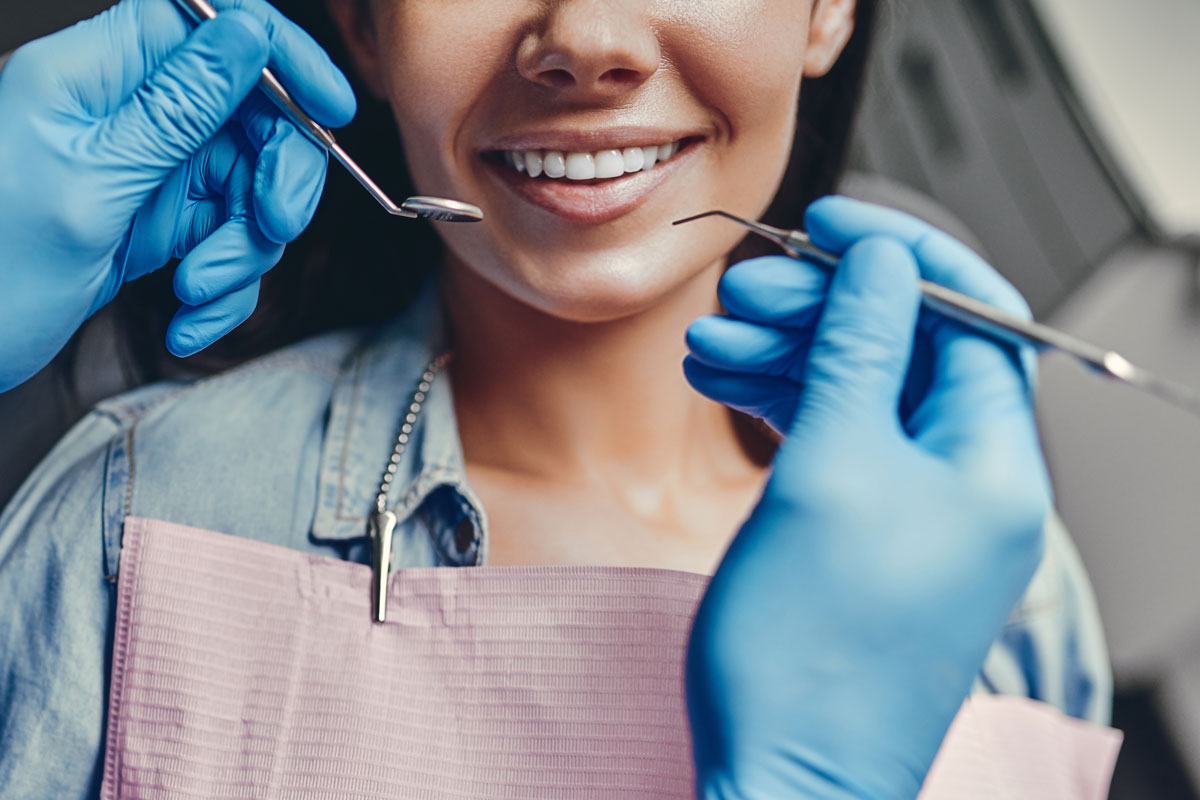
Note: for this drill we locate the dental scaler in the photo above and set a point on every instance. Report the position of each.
(990, 320)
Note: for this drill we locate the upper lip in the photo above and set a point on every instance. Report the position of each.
(587, 141)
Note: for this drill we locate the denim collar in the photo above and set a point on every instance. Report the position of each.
(370, 399)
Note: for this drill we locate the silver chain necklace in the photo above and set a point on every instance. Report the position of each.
(382, 525)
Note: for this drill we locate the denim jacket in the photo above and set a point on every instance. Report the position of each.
(289, 449)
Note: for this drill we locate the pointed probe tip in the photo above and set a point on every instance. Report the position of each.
(702, 216)
(690, 219)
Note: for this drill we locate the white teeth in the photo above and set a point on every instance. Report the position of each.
(603, 164)
(610, 164)
(533, 162)
(581, 166)
(555, 164)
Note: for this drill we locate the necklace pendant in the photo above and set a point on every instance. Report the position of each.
(382, 529)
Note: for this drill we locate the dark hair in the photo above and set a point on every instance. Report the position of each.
(342, 270)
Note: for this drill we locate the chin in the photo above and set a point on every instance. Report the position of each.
(595, 290)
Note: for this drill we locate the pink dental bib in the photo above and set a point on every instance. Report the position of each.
(246, 670)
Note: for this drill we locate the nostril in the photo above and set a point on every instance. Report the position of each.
(556, 78)
(621, 76)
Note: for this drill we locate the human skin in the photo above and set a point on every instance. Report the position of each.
(581, 435)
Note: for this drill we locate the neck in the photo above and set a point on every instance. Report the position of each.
(582, 401)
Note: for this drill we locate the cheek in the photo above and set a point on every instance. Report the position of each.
(742, 56)
(441, 57)
(745, 59)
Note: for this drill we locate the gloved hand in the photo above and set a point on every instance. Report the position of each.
(132, 138)
(900, 526)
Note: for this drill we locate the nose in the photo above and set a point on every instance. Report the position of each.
(591, 50)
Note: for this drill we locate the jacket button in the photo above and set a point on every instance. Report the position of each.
(464, 535)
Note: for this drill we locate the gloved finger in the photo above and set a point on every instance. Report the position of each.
(201, 221)
(863, 343)
(234, 255)
(290, 173)
(155, 235)
(258, 117)
(237, 251)
(735, 345)
(835, 223)
(774, 290)
(183, 103)
(288, 181)
(194, 328)
(305, 69)
(223, 168)
(219, 187)
(769, 398)
(279, 187)
(216, 184)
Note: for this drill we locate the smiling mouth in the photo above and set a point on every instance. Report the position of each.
(590, 187)
(582, 166)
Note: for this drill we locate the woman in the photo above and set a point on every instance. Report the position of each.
(563, 412)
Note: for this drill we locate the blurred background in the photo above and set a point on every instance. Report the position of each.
(1060, 138)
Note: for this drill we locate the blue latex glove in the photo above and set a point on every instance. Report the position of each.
(901, 524)
(132, 138)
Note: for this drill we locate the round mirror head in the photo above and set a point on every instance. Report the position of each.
(442, 210)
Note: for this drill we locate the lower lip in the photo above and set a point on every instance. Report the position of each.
(590, 203)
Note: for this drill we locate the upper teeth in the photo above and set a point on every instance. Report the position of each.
(586, 166)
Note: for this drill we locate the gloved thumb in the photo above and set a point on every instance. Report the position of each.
(863, 342)
(186, 100)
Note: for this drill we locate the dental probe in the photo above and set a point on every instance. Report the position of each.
(434, 208)
(990, 320)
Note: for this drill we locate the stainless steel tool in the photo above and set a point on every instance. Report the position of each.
(990, 320)
(433, 208)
